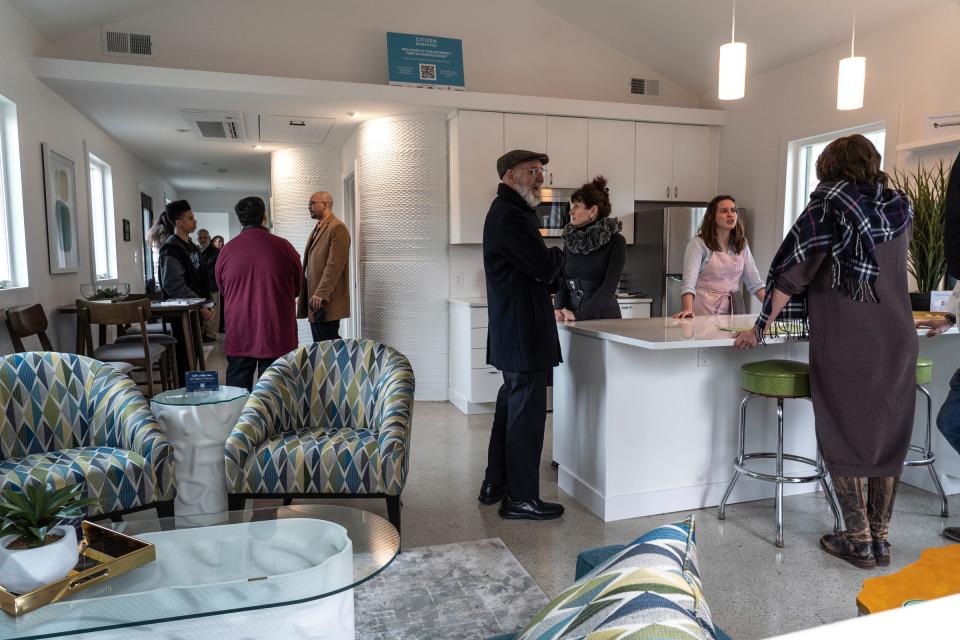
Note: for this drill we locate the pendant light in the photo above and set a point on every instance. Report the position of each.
(733, 64)
(850, 78)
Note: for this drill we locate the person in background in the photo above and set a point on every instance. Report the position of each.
(180, 268)
(259, 276)
(715, 262)
(217, 241)
(522, 340)
(948, 420)
(594, 252)
(209, 253)
(841, 272)
(325, 296)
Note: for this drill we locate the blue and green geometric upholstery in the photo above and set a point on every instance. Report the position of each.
(650, 589)
(333, 417)
(68, 419)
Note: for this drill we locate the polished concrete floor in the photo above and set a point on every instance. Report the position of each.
(754, 589)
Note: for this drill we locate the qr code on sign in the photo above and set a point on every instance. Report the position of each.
(428, 72)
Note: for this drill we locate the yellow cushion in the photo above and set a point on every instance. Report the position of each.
(776, 378)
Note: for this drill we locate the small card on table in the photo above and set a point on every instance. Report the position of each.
(202, 380)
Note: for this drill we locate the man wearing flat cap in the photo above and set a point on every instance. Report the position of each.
(522, 341)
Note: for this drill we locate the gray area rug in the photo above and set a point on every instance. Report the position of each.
(465, 590)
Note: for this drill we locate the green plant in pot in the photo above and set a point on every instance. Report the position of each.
(38, 545)
(926, 260)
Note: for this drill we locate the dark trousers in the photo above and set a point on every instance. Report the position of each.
(240, 370)
(180, 350)
(516, 441)
(325, 330)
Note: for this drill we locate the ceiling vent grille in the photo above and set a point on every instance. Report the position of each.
(642, 87)
(120, 43)
(216, 125)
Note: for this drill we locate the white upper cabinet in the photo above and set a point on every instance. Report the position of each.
(522, 131)
(675, 162)
(610, 154)
(567, 148)
(694, 163)
(475, 141)
(654, 161)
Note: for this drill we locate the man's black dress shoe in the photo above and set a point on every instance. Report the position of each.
(534, 509)
(490, 493)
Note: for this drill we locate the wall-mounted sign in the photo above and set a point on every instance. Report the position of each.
(425, 61)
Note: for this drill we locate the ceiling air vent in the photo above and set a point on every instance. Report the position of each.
(641, 87)
(120, 43)
(216, 125)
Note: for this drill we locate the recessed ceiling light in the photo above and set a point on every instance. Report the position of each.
(182, 130)
(356, 115)
(206, 164)
(221, 170)
(258, 146)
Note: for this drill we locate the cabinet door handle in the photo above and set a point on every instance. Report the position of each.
(668, 191)
(551, 178)
(676, 192)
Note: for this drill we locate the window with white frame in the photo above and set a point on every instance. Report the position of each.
(101, 214)
(802, 165)
(13, 255)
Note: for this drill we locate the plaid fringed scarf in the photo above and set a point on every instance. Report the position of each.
(849, 221)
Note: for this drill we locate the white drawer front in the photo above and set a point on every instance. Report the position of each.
(478, 358)
(478, 338)
(484, 384)
(478, 317)
(635, 309)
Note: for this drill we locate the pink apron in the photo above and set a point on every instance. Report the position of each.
(718, 286)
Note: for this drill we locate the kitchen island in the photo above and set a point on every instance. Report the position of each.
(645, 415)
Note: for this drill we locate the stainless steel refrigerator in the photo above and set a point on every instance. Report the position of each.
(662, 234)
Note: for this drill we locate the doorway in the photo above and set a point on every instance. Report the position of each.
(149, 260)
(352, 325)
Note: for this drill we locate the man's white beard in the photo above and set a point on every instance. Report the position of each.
(528, 196)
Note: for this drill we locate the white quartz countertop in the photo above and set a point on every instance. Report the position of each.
(667, 333)
(469, 302)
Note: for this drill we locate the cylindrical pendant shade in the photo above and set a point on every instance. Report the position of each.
(850, 81)
(733, 70)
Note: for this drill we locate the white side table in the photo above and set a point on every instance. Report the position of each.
(197, 424)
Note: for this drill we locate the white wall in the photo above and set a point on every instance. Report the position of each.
(912, 72)
(509, 46)
(45, 117)
(215, 223)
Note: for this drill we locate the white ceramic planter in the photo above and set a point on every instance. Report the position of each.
(23, 570)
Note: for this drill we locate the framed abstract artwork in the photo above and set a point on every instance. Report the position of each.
(60, 189)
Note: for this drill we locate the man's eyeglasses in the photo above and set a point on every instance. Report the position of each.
(534, 171)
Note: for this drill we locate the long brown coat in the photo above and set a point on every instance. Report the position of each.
(325, 261)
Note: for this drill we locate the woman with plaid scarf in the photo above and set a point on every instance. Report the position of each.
(840, 278)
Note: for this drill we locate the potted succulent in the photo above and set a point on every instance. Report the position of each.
(926, 260)
(38, 545)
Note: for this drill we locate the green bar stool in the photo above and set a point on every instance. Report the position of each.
(780, 379)
(924, 376)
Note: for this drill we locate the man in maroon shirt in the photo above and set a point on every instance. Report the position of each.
(260, 276)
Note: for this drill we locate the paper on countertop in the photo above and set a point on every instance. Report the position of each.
(176, 302)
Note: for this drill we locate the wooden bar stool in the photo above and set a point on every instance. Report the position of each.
(780, 379)
(924, 377)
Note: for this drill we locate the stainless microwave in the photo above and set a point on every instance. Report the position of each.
(553, 212)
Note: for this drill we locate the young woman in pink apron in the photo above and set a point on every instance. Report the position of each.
(715, 264)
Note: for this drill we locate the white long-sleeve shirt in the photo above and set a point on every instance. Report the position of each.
(695, 259)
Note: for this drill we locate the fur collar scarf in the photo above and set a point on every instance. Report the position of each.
(589, 238)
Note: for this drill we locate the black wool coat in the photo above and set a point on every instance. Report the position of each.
(521, 272)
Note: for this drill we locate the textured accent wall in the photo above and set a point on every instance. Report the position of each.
(295, 174)
(403, 212)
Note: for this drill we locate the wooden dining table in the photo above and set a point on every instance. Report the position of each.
(185, 311)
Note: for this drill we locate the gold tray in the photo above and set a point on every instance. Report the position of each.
(104, 554)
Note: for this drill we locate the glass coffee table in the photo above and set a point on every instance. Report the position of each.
(269, 572)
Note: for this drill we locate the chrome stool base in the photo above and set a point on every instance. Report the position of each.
(927, 458)
(819, 473)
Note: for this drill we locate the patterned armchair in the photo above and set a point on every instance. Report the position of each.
(328, 420)
(68, 419)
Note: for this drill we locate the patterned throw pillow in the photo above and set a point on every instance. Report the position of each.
(651, 589)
